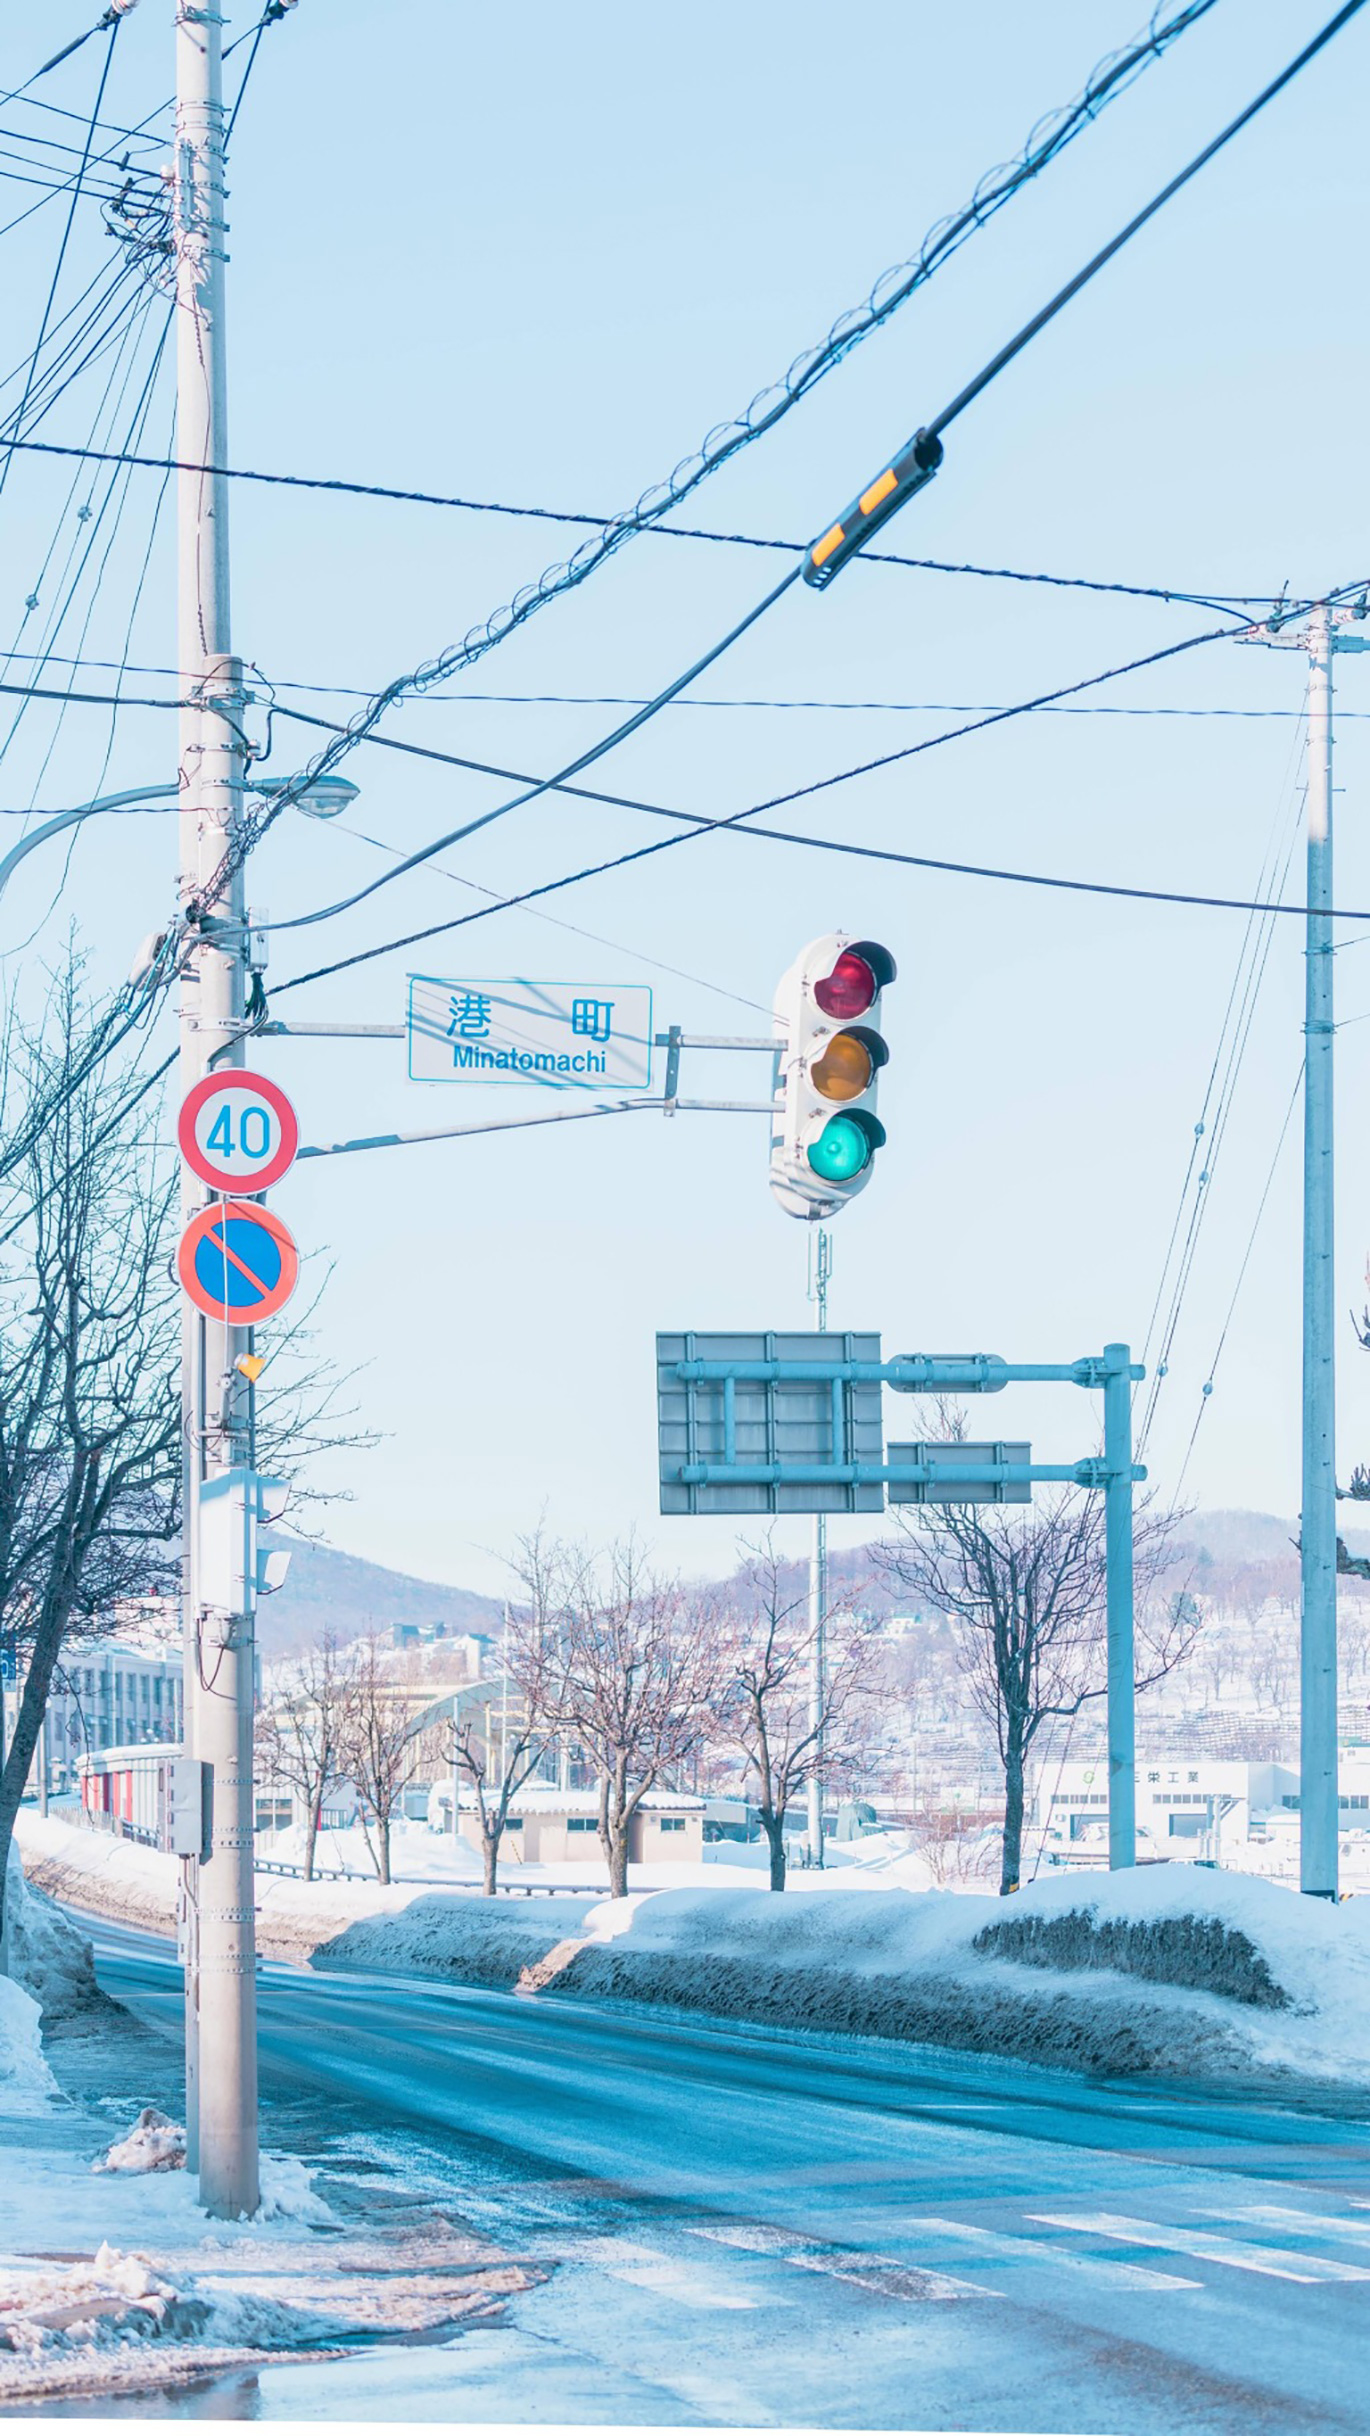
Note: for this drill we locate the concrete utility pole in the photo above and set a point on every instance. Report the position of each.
(221, 1997)
(1327, 632)
(1318, 1526)
(821, 1271)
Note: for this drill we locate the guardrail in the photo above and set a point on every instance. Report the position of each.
(436, 1886)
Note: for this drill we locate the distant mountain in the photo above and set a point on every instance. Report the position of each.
(1229, 1535)
(328, 1591)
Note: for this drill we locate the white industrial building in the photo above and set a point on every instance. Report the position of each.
(1188, 1807)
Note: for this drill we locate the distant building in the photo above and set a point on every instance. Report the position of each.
(546, 1824)
(458, 1653)
(1188, 1804)
(105, 1693)
(127, 1792)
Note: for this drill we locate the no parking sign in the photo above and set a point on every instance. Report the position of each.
(237, 1262)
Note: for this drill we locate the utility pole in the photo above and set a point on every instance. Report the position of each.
(221, 1996)
(820, 1270)
(1327, 632)
(1318, 1524)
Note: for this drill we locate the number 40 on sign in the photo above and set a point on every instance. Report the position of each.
(238, 1131)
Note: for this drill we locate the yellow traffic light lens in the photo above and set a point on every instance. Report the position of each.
(845, 1068)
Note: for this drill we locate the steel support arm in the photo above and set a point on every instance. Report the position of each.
(1089, 1473)
(915, 1373)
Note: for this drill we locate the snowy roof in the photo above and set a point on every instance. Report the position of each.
(132, 1653)
(123, 1755)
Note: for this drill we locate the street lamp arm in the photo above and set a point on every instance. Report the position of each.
(58, 821)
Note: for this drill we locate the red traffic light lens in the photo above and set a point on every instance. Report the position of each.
(849, 989)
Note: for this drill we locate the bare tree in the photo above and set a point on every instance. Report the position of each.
(1025, 1591)
(302, 1726)
(90, 1435)
(765, 1710)
(380, 1725)
(530, 1661)
(1272, 1663)
(632, 1677)
(1353, 1637)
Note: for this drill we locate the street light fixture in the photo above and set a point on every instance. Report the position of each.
(323, 798)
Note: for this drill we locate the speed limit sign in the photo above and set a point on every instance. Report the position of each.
(237, 1131)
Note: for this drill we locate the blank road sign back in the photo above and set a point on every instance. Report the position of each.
(812, 1424)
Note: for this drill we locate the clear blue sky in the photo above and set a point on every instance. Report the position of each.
(532, 257)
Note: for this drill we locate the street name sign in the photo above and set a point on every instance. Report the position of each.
(237, 1131)
(237, 1262)
(564, 1035)
(788, 1438)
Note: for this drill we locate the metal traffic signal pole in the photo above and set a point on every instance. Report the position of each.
(221, 2002)
(821, 1256)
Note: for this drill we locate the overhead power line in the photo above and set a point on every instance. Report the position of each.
(887, 488)
(111, 19)
(1045, 143)
(108, 23)
(1175, 594)
(701, 821)
(701, 826)
(1032, 329)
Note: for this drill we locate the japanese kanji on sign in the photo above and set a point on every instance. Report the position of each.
(565, 1035)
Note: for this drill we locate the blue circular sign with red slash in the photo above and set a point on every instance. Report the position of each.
(238, 1262)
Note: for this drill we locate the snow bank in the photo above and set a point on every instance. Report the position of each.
(121, 1880)
(25, 2081)
(98, 1873)
(47, 1953)
(155, 2145)
(106, 2300)
(121, 2319)
(1178, 1970)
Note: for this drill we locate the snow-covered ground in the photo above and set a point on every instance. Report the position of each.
(113, 2279)
(1183, 1971)
(418, 1853)
(126, 1881)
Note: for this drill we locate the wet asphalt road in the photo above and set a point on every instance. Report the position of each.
(754, 2228)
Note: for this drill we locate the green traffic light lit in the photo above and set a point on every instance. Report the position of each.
(842, 1150)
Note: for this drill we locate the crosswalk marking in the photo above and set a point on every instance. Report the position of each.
(1120, 2272)
(893, 2278)
(652, 2271)
(1289, 2265)
(1304, 2220)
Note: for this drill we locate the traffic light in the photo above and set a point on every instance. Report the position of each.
(825, 1132)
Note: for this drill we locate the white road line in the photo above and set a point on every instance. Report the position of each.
(1290, 2265)
(893, 2278)
(1303, 2220)
(1014, 2246)
(652, 2271)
